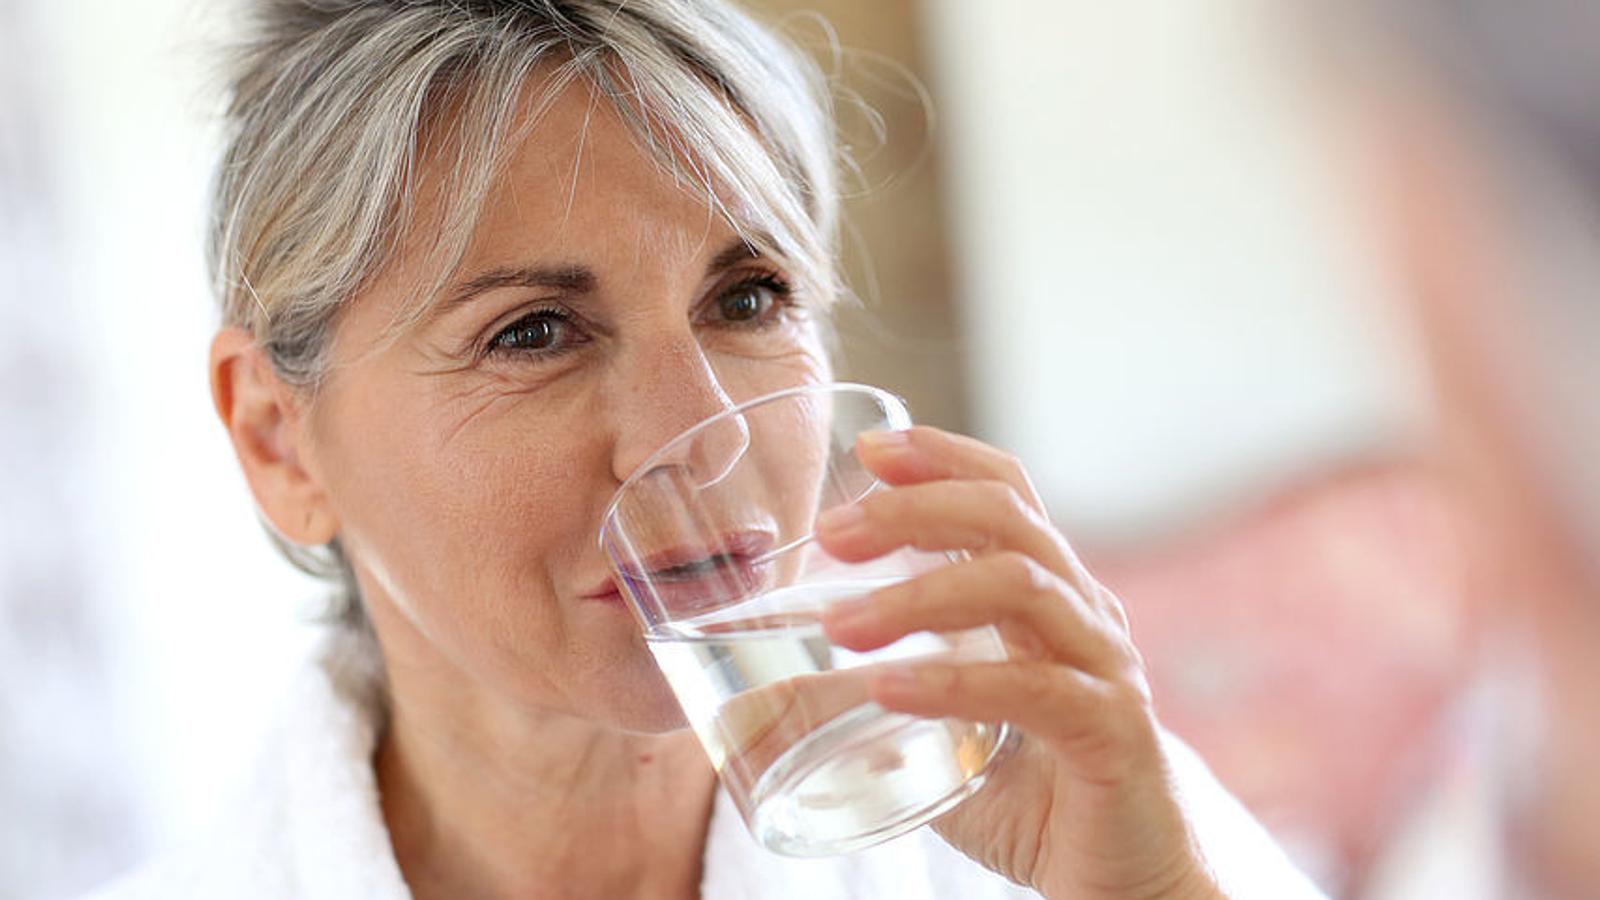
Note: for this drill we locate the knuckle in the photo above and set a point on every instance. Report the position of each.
(1109, 611)
(1003, 498)
(1135, 728)
(1120, 710)
(1125, 739)
(1024, 573)
(1130, 695)
(1143, 696)
(1113, 608)
(1125, 661)
(1012, 465)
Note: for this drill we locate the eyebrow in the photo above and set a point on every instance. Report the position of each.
(738, 251)
(575, 278)
(571, 279)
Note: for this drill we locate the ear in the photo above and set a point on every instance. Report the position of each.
(263, 417)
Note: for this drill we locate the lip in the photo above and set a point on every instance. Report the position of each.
(605, 590)
(732, 546)
(688, 578)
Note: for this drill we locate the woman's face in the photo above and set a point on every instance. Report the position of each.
(600, 310)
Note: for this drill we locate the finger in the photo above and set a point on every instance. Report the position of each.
(1036, 611)
(1105, 729)
(923, 453)
(979, 516)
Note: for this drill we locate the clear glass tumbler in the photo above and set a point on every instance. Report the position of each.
(711, 540)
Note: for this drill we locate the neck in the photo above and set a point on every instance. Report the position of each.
(485, 800)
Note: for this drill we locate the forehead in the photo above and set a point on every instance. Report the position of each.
(577, 186)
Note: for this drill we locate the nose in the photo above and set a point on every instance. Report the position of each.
(663, 393)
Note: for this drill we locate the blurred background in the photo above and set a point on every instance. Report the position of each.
(1126, 241)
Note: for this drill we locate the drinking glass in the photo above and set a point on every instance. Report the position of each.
(712, 542)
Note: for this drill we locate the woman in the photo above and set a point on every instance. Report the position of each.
(477, 260)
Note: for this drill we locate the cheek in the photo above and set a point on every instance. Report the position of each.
(459, 521)
(801, 361)
(792, 436)
(798, 439)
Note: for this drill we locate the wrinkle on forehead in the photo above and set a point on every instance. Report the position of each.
(578, 150)
(565, 120)
(659, 242)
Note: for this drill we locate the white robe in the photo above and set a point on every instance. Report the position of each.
(307, 824)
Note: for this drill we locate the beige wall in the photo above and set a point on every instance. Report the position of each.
(1120, 253)
(1169, 306)
(904, 334)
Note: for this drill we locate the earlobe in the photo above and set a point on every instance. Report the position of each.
(262, 416)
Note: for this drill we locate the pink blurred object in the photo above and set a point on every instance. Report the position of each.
(1306, 648)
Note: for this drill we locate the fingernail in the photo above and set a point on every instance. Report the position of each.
(886, 440)
(841, 519)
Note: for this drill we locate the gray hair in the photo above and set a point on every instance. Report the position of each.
(335, 102)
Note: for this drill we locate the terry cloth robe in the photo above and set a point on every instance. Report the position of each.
(306, 823)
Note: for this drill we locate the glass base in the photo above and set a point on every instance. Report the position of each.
(868, 776)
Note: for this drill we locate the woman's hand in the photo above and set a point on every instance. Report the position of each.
(1085, 807)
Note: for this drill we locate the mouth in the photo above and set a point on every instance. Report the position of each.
(696, 577)
(697, 569)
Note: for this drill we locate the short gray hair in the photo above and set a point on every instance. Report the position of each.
(334, 102)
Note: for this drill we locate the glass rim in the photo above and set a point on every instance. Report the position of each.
(887, 399)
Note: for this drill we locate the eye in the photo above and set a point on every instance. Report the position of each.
(745, 303)
(754, 302)
(545, 332)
